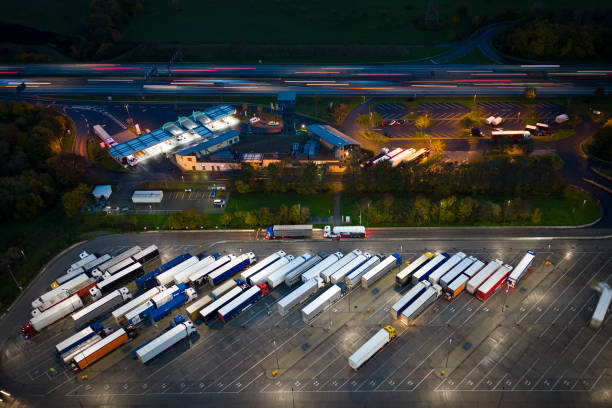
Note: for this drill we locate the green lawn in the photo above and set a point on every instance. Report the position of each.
(557, 135)
(475, 56)
(319, 107)
(100, 156)
(319, 205)
(66, 17)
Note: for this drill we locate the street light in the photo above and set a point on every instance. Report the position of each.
(13, 276)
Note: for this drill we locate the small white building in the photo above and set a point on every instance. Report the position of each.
(148, 197)
(102, 192)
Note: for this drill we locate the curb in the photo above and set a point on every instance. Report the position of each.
(599, 173)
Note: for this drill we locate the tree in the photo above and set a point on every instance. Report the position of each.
(242, 187)
(249, 219)
(226, 219)
(437, 146)
(74, 200)
(466, 206)
(294, 214)
(304, 214)
(422, 123)
(68, 169)
(536, 216)
(364, 120)
(602, 141)
(422, 208)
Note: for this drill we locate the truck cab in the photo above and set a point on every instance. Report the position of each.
(27, 330)
(327, 231)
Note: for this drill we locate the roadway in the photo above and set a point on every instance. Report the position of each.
(516, 338)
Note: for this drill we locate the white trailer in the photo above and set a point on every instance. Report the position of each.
(403, 156)
(453, 273)
(211, 309)
(321, 266)
(408, 298)
(404, 276)
(96, 262)
(60, 293)
(327, 273)
(377, 272)
(474, 268)
(303, 292)
(120, 266)
(430, 266)
(420, 304)
(69, 355)
(166, 340)
(264, 263)
(521, 269)
(371, 347)
(183, 276)
(344, 231)
(295, 275)
(321, 303)
(100, 307)
(234, 266)
(193, 310)
(602, 305)
(278, 276)
(224, 288)
(354, 277)
(110, 282)
(119, 313)
(85, 259)
(147, 197)
(483, 275)
(341, 273)
(55, 313)
(100, 269)
(165, 278)
(451, 262)
(73, 340)
(135, 316)
(201, 277)
(262, 275)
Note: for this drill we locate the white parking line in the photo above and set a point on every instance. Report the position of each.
(540, 379)
(423, 379)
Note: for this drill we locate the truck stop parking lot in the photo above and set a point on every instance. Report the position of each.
(529, 346)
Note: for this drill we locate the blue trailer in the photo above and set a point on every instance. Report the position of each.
(162, 311)
(409, 298)
(78, 338)
(244, 300)
(231, 268)
(147, 281)
(424, 272)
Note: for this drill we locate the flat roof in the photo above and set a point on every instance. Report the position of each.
(139, 143)
(332, 136)
(187, 123)
(208, 143)
(219, 111)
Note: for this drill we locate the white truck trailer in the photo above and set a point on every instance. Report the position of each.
(261, 276)
(193, 310)
(211, 310)
(303, 292)
(354, 278)
(183, 276)
(371, 347)
(377, 272)
(408, 298)
(450, 263)
(321, 303)
(521, 268)
(100, 307)
(264, 263)
(453, 273)
(295, 275)
(484, 274)
(602, 305)
(165, 278)
(85, 258)
(327, 273)
(316, 270)
(166, 340)
(119, 313)
(420, 304)
(341, 273)
(278, 276)
(404, 276)
(200, 277)
(51, 315)
(100, 269)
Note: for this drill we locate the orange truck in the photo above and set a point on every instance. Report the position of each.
(99, 349)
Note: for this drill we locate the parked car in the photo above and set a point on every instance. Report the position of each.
(219, 203)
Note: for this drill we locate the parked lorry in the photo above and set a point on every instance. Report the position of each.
(100, 269)
(484, 274)
(163, 342)
(138, 314)
(521, 268)
(68, 356)
(200, 277)
(295, 275)
(259, 266)
(424, 272)
(161, 311)
(84, 258)
(99, 349)
(602, 305)
(167, 277)
(405, 155)
(242, 302)
(420, 304)
(327, 273)
(183, 276)
(40, 320)
(354, 278)
(87, 268)
(289, 231)
(119, 313)
(60, 293)
(231, 268)
(344, 231)
(263, 274)
(341, 273)
(210, 311)
(451, 262)
(405, 275)
(474, 268)
(299, 295)
(120, 266)
(455, 287)
(148, 254)
(409, 298)
(78, 338)
(377, 272)
(321, 303)
(456, 271)
(111, 282)
(371, 347)
(193, 310)
(511, 134)
(100, 307)
(278, 276)
(316, 270)
(148, 281)
(495, 281)
(225, 287)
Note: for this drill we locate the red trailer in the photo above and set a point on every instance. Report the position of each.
(495, 281)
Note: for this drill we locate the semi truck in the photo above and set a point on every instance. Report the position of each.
(456, 271)
(60, 293)
(474, 268)
(263, 274)
(420, 304)
(404, 276)
(295, 275)
(162, 343)
(371, 347)
(78, 338)
(111, 282)
(231, 268)
(183, 276)
(119, 313)
(377, 272)
(148, 254)
(242, 302)
(299, 295)
(148, 281)
(521, 268)
(424, 272)
(100, 307)
(138, 314)
(120, 266)
(87, 268)
(512, 134)
(159, 312)
(99, 349)
(289, 231)
(193, 310)
(40, 320)
(100, 269)
(602, 305)
(409, 298)
(68, 356)
(201, 277)
(316, 270)
(450, 263)
(455, 287)
(211, 310)
(344, 231)
(84, 258)
(495, 281)
(225, 287)
(336, 266)
(259, 266)
(484, 274)
(402, 156)
(321, 303)
(278, 276)
(354, 278)
(166, 277)
(341, 273)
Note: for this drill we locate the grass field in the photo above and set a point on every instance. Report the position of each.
(319, 107)
(320, 205)
(65, 17)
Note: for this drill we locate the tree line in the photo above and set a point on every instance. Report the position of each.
(305, 179)
(602, 142)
